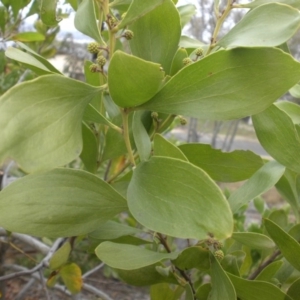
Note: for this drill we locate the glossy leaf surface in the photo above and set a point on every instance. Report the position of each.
(48, 12)
(61, 202)
(41, 127)
(221, 86)
(128, 257)
(178, 199)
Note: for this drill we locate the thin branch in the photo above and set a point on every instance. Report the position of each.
(43, 263)
(26, 287)
(264, 264)
(90, 272)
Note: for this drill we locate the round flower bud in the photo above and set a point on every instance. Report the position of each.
(182, 121)
(199, 52)
(94, 68)
(128, 35)
(101, 60)
(93, 47)
(154, 115)
(187, 61)
(219, 255)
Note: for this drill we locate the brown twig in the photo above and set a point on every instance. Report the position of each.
(264, 264)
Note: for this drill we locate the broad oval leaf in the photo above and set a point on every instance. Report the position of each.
(176, 198)
(222, 287)
(137, 9)
(253, 240)
(279, 137)
(71, 276)
(262, 180)
(289, 247)
(163, 147)
(269, 271)
(294, 289)
(145, 276)
(186, 12)
(131, 80)
(86, 22)
(232, 166)
(279, 22)
(221, 86)
(256, 290)
(41, 126)
(128, 257)
(113, 230)
(177, 63)
(291, 109)
(166, 35)
(61, 202)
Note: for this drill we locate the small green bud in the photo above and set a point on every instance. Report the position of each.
(219, 255)
(199, 52)
(187, 61)
(94, 68)
(128, 35)
(111, 21)
(182, 120)
(123, 15)
(154, 115)
(101, 60)
(93, 47)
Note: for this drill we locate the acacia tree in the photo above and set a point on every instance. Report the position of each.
(95, 150)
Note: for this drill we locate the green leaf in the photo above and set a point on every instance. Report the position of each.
(287, 187)
(73, 3)
(166, 35)
(86, 21)
(229, 264)
(3, 16)
(222, 287)
(41, 126)
(48, 12)
(163, 291)
(186, 12)
(177, 63)
(253, 240)
(128, 257)
(28, 37)
(117, 3)
(163, 147)
(31, 58)
(279, 217)
(60, 257)
(253, 4)
(89, 153)
(174, 197)
(190, 43)
(138, 9)
(17, 5)
(277, 134)
(225, 87)
(193, 257)
(112, 230)
(232, 166)
(291, 109)
(269, 271)
(131, 80)
(262, 180)
(27, 60)
(145, 276)
(295, 91)
(279, 23)
(294, 289)
(203, 291)
(71, 276)
(61, 202)
(256, 290)
(141, 137)
(289, 247)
